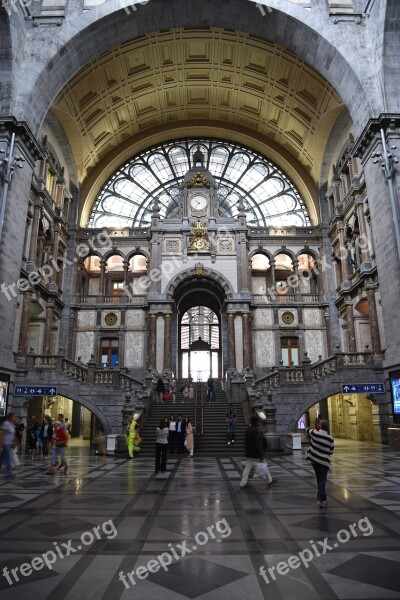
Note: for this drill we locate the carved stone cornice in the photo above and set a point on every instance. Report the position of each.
(364, 144)
(24, 137)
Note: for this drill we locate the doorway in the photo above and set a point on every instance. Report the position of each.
(200, 344)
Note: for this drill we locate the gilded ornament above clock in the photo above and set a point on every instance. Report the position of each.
(198, 180)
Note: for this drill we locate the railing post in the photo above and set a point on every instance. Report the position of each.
(306, 364)
(92, 366)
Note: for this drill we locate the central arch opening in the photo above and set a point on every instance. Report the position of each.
(200, 344)
(201, 329)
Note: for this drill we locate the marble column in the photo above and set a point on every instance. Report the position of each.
(231, 341)
(351, 330)
(47, 329)
(247, 341)
(244, 263)
(272, 269)
(102, 277)
(373, 321)
(125, 266)
(294, 289)
(24, 328)
(168, 342)
(151, 341)
(70, 347)
(154, 281)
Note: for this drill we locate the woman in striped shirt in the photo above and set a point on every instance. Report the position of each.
(319, 453)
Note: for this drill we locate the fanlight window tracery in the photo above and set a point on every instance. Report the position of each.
(271, 198)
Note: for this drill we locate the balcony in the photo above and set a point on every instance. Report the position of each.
(287, 298)
(123, 299)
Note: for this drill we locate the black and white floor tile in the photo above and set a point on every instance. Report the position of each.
(228, 536)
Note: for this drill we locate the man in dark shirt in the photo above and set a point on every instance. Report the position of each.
(254, 455)
(230, 418)
(210, 390)
(160, 389)
(180, 434)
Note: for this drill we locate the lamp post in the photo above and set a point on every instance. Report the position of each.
(387, 160)
(7, 165)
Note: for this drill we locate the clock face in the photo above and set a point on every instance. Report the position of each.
(198, 202)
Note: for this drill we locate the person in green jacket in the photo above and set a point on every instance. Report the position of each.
(132, 436)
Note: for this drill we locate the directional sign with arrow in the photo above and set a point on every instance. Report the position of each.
(34, 390)
(363, 388)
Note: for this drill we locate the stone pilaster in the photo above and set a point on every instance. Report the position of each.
(231, 341)
(152, 341)
(373, 321)
(168, 342)
(247, 341)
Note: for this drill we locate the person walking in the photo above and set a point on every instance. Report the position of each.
(210, 390)
(186, 391)
(7, 437)
(172, 435)
(319, 454)
(230, 418)
(191, 393)
(160, 389)
(59, 443)
(161, 447)
(189, 438)
(173, 390)
(46, 436)
(17, 445)
(180, 434)
(132, 436)
(255, 455)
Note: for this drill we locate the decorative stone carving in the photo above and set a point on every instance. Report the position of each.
(111, 319)
(188, 274)
(172, 246)
(285, 321)
(226, 245)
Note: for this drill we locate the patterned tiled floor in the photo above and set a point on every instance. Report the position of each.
(236, 543)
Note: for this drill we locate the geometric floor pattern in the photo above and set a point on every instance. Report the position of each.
(111, 529)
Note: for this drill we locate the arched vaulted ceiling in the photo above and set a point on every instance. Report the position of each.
(178, 77)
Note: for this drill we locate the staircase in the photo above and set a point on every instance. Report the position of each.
(213, 441)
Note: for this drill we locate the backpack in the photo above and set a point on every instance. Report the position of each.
(61, 437)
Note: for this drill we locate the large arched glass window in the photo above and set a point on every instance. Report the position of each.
(271, 198)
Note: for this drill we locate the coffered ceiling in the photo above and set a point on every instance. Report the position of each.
(176, 77)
